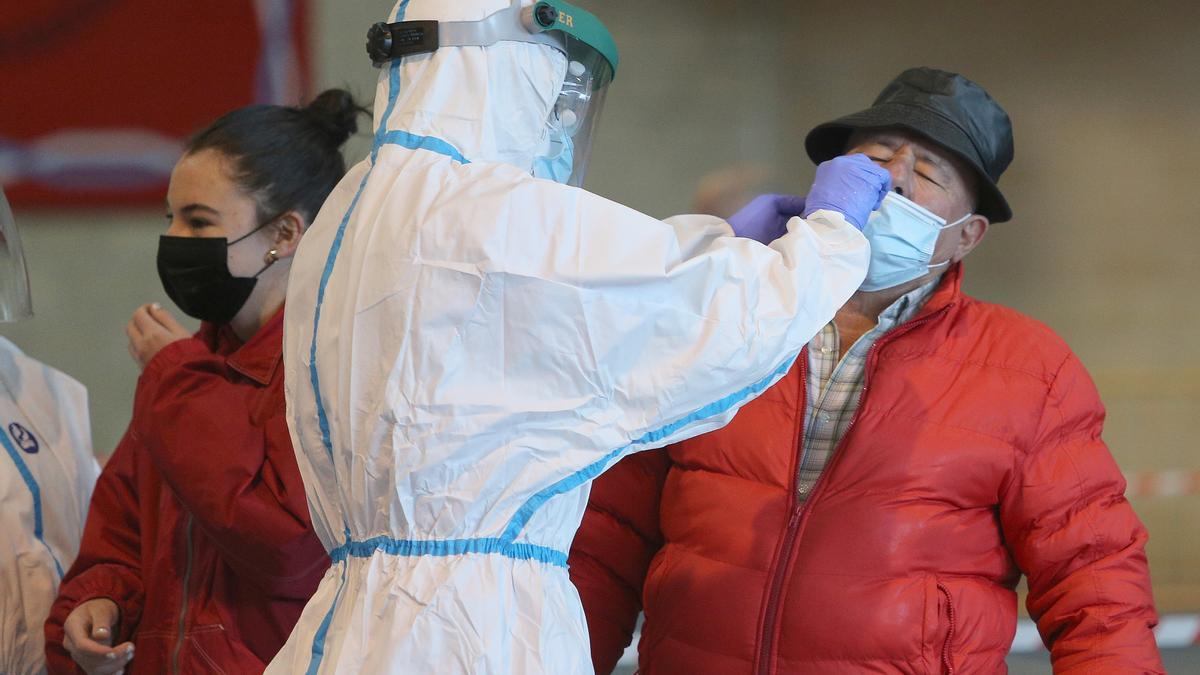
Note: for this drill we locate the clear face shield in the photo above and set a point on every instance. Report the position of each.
(14, 279)
(591, 65)
(573, 120)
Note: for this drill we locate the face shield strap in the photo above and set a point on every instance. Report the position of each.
(552, 23)
(587, 44)
(386, 41)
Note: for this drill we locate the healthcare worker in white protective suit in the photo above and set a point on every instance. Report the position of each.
(468, 345)
(46, 473)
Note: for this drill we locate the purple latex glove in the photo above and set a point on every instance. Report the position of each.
(851, 185)
(765, 218)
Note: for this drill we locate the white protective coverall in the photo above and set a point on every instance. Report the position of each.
(467, 347)
(47, 471)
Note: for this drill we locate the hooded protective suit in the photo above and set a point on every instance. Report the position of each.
(46, 476)
(468, 346)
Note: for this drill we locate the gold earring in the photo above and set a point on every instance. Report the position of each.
(271, 257)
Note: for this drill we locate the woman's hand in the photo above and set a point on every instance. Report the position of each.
(151, 329)
(89, 635)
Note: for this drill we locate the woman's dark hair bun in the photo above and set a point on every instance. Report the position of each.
(336, 111)
(287, 157)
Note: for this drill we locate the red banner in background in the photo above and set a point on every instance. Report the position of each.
(97, 96)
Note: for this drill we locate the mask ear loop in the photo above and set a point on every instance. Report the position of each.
(272, 256)
(960, 221)
(265, 223)
(252, 231)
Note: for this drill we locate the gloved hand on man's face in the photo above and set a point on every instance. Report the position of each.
(765, 218)
(851, 185)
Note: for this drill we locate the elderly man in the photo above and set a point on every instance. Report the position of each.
(874, 510)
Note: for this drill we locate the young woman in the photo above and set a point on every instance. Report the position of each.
(198, 554)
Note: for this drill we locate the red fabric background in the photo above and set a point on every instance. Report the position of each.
(95, 66)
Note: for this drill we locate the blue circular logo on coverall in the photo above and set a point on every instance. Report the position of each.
(24, 438)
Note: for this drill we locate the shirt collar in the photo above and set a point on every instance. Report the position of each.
(906, 306)
(258, 358)
(948, 292)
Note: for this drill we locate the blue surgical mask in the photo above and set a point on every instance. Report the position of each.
(559, 161)
(902, 236)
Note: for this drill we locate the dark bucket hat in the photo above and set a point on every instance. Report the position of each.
(946, 108)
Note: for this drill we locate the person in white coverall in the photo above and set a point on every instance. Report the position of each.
(47, 471)
(468, 345)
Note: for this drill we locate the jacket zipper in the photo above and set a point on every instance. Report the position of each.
(789, 537)
(799, 511)
(947, 646)
(183, 606)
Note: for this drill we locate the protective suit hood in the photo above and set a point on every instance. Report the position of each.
(490, 104)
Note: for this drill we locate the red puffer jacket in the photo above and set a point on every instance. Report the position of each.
(199, 527)
(975, 456)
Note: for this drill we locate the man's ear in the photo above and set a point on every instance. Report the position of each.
(289, 227)
(970, 235)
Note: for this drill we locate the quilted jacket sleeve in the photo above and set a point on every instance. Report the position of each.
(1078, 540)
(109, 560)
(613, 549)
(237, 476)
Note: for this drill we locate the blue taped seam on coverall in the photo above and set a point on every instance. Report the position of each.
(35, 492)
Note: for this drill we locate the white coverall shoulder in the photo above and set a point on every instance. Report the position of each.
(47, 472)
(467, 347)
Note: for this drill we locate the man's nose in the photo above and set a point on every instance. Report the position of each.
(902, 166)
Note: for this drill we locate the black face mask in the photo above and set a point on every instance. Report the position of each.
(195, 273)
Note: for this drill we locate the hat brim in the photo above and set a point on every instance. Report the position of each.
(828, 140)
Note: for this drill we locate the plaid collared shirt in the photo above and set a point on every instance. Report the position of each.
(834, 389)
